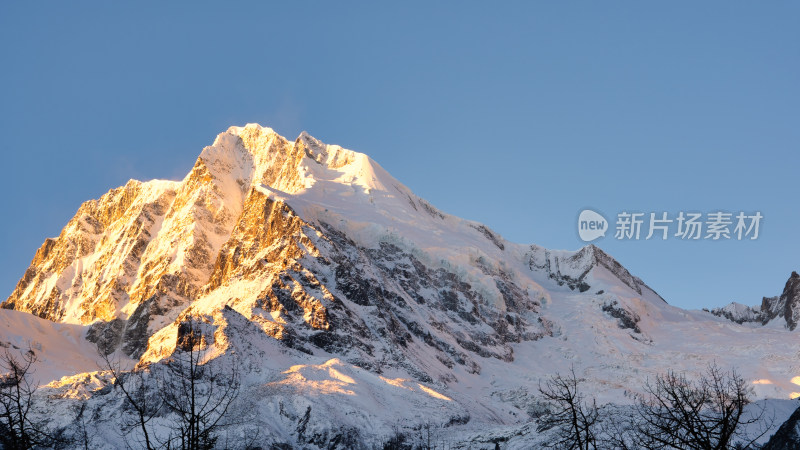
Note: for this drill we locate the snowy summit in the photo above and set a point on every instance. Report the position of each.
(352, 308)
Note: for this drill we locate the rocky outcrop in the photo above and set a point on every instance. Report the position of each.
(784, 308)
(571, 269)
(157, 241)
(87, 272)
(739, 313)
(788, 435)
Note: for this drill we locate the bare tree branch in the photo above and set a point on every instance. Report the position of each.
(573, 417)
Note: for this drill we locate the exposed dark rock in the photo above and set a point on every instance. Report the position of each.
(496, 240)
(131, 335)
(106, 335)
(788, 435)
(136, 335)
(625, 318)
(572, 270)
(738, 313)
(787, 306)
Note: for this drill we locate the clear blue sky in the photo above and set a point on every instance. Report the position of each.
(516, 115)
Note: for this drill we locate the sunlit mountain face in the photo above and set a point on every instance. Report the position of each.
(347, 312)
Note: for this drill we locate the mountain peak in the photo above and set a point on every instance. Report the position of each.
(333, 284)
(315, 149)
(250, 127)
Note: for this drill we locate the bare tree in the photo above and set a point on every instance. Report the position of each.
(573, 417)
(185, 384)
(707, 414)
(145, 404)
(193, 389)
(83, 433)
(618, 428)
(18, 429)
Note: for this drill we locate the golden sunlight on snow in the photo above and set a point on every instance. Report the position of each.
(332, 378)
(793, 395)
(78, 386)
(323, 379)
(397, 382)
(433, 393)
(762, 381)
(400, 382)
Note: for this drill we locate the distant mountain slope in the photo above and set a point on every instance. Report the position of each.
(780, 310)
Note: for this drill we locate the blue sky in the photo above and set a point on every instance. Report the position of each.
(516, 115)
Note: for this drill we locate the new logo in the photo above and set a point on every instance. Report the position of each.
(591, 225)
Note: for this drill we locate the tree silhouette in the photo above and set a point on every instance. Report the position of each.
(678, 413)
(573, 417)
(196, 391)
(18, 428)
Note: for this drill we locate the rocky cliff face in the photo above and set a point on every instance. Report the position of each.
(132, 261)
(572, 269)
(787, 306)
(784, 308)
(147, 250)
(787, 437)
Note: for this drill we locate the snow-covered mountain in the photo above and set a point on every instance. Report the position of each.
(782, 310)
(356, 307)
